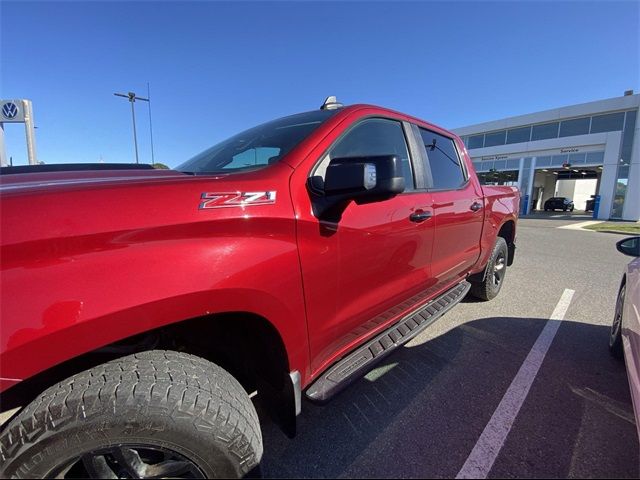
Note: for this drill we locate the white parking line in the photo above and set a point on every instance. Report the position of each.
(493, 436)
(578, 226)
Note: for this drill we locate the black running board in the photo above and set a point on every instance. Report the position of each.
(360, 361)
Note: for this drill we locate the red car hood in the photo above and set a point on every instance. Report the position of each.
(22, 182)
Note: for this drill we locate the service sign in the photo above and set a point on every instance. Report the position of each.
(543, 153)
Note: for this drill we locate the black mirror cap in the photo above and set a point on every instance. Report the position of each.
(358, 179)
(629, 246)
(390, 177)
(353, 175)
(344, 178)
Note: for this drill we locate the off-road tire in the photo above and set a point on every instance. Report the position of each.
(164, 399)
(487, 289)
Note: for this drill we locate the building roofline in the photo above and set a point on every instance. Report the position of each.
(579, 110)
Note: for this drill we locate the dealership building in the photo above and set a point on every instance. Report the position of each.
(590, 150)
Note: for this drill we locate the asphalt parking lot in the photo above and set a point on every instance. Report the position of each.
(423, 410)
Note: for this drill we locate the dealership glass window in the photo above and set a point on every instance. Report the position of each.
(478, 166)
(486, 166)
(595, 157)
(543, 161)
(620, 191)
(513, 164)
(446, 169)
(476, 141)
(622, 175)
(519, 135)
(494, 138)
(576, 158)
(576, 126)
(375, 136)
(609, 122)
(544, 131)
(558, 160)
(627, 137)
(500, 164)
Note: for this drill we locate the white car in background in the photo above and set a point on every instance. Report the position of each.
(624, 340)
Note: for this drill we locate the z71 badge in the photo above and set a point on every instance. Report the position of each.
(236, 199)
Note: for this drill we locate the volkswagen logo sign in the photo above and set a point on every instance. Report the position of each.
(9, 110)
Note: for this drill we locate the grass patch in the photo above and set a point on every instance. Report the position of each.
(626, 227)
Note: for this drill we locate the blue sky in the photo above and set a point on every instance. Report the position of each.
(217, 68)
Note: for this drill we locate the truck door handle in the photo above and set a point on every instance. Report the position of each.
(475, 206)
(419, 216)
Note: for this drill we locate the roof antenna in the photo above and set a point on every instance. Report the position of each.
(331, 103)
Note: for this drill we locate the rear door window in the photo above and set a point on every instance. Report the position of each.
(444, 161)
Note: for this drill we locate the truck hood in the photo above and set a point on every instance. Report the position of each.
(25, 182)
(52, 207)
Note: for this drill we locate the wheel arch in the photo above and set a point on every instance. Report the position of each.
(246, 344)
(508, 232)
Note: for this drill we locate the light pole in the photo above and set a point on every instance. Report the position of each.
(132, 98)
(153, 158)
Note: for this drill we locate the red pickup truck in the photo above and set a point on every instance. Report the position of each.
(142, 309)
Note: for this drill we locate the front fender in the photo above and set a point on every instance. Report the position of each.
(58, 304)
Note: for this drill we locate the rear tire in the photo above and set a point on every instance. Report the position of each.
(494, 274)
(157, 413)
(615, 337)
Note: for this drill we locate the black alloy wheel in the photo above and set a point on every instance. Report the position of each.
(499, 269)
(129, 461)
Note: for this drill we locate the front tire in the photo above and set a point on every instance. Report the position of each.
(494, 273)
(153, 414)
(615, 337)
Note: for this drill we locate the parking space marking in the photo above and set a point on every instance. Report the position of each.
(578, 226)
(619, 409)
(488, 446)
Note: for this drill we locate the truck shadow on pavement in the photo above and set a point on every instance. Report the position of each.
(421, 411)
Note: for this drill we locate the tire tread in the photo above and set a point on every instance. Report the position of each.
(174, 383)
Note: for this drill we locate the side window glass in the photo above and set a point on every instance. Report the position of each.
(446, 168)
(372, 137)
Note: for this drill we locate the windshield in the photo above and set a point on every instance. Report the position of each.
(257, 147)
